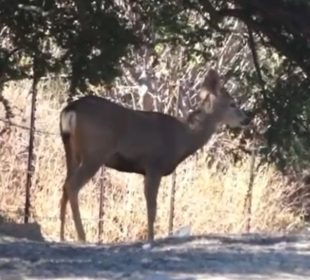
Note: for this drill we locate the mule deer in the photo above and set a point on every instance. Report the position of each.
(96, 132)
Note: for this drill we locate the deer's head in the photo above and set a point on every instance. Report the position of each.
(218, 102)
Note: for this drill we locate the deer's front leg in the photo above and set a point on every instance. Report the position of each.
(151, 186)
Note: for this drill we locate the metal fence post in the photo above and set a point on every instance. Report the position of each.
(30, 167)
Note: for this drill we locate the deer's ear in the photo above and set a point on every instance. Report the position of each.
(211, 82)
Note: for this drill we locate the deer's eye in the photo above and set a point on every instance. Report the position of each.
(232, 105)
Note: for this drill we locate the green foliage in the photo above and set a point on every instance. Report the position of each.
(89, 40)
(88, 44)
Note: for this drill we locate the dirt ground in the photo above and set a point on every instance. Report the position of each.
(25, 255)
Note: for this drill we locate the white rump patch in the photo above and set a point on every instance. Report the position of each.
(68, 121)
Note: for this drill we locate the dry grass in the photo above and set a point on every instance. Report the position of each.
(208, 201)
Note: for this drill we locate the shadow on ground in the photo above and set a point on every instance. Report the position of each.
(30, 231)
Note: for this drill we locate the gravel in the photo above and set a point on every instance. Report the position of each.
(211, 257)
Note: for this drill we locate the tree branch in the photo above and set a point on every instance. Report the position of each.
(248, 14)
(259, 74)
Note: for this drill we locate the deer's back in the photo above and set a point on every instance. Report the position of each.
(128, 140)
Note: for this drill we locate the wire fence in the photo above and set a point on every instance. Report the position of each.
(99, 219)
(24, 127)
(30, 168)
(101, 198)
(27, 215)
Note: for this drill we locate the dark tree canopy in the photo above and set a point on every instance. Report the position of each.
(90, 42)
(77, 37)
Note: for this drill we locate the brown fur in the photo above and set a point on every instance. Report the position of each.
(100, 132)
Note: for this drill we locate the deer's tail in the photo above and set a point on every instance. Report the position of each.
(67, 130)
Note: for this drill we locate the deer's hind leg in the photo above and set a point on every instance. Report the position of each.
(72, 161)
(63, 206)
(76, 181)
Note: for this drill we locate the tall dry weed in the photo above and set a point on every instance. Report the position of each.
(207, 200)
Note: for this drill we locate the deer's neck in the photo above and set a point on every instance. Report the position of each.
(201, 127)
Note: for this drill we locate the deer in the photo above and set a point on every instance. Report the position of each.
(98, 132)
